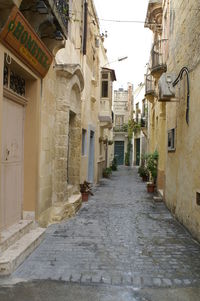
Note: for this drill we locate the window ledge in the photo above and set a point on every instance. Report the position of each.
(172, 150)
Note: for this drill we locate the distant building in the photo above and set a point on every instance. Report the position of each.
(122, 108)
(140, 117)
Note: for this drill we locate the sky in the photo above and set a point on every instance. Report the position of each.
(125, 39)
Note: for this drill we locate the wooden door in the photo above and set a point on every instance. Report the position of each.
(138, 151)
(12, 163)
(91, 157)
(119, 152)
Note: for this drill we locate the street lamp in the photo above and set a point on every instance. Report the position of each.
(118, 60)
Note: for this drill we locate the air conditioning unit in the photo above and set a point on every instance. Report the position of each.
(165, 87)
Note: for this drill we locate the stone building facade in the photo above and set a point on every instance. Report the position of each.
(174, 120)
(140, 117)
(51, 53)
(123, 112)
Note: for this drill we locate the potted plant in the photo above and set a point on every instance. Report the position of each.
(152, 164)
(110, 142)
(85, 190)
(107, 172)
(143, 172)
(127, 161)
(114, 164)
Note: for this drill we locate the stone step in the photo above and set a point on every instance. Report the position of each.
(15, 232)
(157, 199)
(71, 189)
(160, 193)
(67, 209)
(76, 201)
(159, 196)
(12, 257)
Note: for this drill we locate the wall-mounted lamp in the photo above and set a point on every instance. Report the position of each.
(122, 58)
(118, 60)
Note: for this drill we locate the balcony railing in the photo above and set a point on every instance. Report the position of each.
(121, 128)
(62, 6)
(158, 57)
(143, 122)
(60, 9)
(149, 85)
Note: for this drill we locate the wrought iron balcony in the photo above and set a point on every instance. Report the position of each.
(149, 87)
(121, 128)
(60, 9)
(158, 58)
(143, 122)
(49, 18)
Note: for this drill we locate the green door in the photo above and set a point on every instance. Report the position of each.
(119, 152)
(137, 151)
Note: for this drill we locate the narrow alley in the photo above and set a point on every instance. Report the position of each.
(120, 243)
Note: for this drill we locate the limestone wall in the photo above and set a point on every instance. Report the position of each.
(183, 165)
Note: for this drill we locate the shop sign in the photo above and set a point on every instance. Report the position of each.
(18, 35)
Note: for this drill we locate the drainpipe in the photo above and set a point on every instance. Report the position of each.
(85, 27)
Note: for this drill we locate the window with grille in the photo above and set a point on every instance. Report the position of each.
(171, 140)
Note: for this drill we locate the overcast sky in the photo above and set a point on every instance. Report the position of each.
(126, 39)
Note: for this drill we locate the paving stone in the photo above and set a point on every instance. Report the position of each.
(157, 282)
(121, 237)
(167, 282)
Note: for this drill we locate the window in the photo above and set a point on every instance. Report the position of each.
(104, 85)
(104, 89)
(14, 81)
(119, 120)
(84, 142)
(104, 75)
(171, 140)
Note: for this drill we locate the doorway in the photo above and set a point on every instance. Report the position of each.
(91, 157)
(119, 152)
(74, 149)
(137, 159)
(12, 162)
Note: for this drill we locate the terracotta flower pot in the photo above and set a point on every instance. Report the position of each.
(150, 187)
(84, 196)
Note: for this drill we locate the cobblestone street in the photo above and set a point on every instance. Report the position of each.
(119, 238)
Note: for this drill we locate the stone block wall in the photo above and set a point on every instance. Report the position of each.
(183, 165)
(47, 142)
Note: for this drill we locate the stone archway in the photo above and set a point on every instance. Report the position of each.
(74, 142)
(70, 84)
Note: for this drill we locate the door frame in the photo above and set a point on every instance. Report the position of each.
(123, 149)
(91, 154)
(8, 96)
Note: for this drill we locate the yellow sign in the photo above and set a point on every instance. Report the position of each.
(18, 35)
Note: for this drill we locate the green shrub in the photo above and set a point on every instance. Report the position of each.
(152, 165)
(127, 160)
(143, 171)
(107, 172)
(114, 164)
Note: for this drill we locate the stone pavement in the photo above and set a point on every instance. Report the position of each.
(119, 238)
